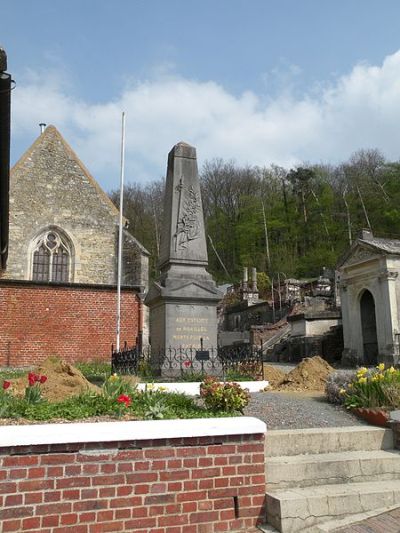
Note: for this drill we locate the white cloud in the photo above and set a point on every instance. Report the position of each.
(361, 110)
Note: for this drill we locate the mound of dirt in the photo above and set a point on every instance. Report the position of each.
(310, 374)
(273, 375)
(63, 381)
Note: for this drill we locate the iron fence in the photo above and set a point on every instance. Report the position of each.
(225, 363)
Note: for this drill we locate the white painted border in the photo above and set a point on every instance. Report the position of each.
(193, 388)
(29, 435)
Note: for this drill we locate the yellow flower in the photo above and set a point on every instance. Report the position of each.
(113, 377)
(392, 369)
(380, 377)
(381, 367)
(342, 391)
(350, 386)
(162, 389)
(374, 378)
(362, 380)
(361, 371)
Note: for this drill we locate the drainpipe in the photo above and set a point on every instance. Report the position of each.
(5, 109)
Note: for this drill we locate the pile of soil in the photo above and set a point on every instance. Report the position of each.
(63, 381)
(273, 375)
(310, 374)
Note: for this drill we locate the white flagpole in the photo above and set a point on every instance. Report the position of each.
(121, 208)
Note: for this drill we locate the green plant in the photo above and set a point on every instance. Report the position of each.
(95, 370)
(245, 371)
(336, 382)
(378, 387)
(116, 386)
(33, 393)
(145, 370)
(5, 398)
(226, 397)
(157, 410)
(191, 376)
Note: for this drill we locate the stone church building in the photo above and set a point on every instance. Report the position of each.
(370, 300)
(60, 281)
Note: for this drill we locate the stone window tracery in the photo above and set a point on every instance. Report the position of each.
(51, 258)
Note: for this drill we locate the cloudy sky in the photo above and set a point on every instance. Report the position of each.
(257, 81)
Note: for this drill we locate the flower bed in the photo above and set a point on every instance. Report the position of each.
(119, 397)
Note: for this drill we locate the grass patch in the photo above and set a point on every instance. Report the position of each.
(95, 371)
(12, 373)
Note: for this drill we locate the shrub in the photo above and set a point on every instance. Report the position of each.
(228, 397)
(336, 382)
(245, 371)
(378, 387)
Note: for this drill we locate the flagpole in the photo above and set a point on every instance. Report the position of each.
(121, 208)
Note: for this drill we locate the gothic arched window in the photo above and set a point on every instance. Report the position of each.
(51, 258)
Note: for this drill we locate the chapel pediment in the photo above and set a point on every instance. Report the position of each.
(360, 255)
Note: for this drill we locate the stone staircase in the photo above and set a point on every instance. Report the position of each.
(320, 479)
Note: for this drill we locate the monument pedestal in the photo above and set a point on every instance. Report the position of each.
(183, 315)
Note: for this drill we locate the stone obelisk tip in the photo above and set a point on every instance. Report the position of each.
(183, 149)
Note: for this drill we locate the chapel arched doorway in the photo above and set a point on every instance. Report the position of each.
(368, 325)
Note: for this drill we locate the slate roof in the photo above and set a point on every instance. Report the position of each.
(389, 246)
(373, 244)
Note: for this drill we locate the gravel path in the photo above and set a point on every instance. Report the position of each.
(284, 410)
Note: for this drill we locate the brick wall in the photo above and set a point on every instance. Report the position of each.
(200, 484)
(75, 322)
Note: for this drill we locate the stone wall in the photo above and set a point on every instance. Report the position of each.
(74, 322)
(206, 480)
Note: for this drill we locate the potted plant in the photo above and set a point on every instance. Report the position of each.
(373, 393)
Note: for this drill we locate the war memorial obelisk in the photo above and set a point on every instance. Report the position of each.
(183, 302)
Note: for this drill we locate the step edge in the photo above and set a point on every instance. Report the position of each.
(326, 527)
(333, 456)
(301, 492)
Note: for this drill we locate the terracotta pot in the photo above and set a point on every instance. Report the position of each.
(374, 416)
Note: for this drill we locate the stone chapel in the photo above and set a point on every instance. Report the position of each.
(370, 300)
(58, 292)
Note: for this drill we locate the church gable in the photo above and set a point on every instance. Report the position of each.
(51, 190)
(52, 176)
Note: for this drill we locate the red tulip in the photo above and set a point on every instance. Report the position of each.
(6, 384)
(43, 379)
(123, 398)
(32, 378)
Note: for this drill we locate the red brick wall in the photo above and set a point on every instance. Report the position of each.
(185, 485)
(73, 322)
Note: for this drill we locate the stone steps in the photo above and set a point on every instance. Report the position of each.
(294, 510)
(327, 440)
(332, 468)
(316, 477)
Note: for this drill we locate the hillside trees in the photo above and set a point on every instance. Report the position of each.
(293, 222)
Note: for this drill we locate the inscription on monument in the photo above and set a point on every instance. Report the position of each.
(189, 331)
